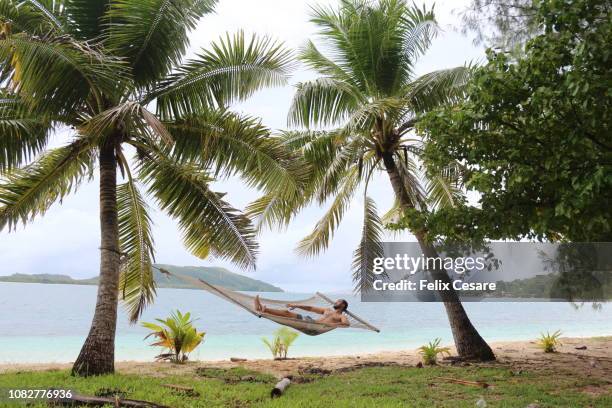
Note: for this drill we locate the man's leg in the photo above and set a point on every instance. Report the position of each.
(276, 312)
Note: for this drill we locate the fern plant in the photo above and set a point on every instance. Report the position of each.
(281, 342)
(176, 334)
(430, 352)
(549, 342)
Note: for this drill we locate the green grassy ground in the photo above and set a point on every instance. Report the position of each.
(366, 387)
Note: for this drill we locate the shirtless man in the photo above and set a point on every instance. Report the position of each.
(331, 317)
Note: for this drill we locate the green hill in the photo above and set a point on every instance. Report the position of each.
(214, 275)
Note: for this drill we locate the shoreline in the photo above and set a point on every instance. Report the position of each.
(350, 352)
(596, 360)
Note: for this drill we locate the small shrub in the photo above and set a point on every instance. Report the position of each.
(280, 343)
(549, 342)
(176, 334)
(430, 352)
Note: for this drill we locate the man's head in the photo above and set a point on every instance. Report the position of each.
(341, 305)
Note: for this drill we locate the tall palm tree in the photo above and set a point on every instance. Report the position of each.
(368, 92)
(94, 69)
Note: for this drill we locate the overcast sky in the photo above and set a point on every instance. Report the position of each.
(65, 241)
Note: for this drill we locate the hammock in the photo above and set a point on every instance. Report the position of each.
(247, 302)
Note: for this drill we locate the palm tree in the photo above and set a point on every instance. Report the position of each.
(367, 87)
(94, 69)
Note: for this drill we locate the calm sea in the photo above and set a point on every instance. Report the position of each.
(48, 323)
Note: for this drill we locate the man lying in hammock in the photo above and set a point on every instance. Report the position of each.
(331, 317)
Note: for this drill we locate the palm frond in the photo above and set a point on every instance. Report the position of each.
(363, 118)
(232, 144)
(318, 240)
(24, 133)
(393, 214)
(24, 16)
(40, 67)
(231, 70)
(30, 191)
(332, 174)
(322, 102)
(313, 58)
(438, 87)
(419, 28)
(273, 210)
(136, 285)
(133, 118)
(209, 224)
(444, 187)
(152, 34)
(86, 17)
(412, 180)
(375, 41)
(48, 10)
(370, 247)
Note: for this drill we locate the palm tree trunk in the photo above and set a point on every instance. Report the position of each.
(469, 343)
(97, 355)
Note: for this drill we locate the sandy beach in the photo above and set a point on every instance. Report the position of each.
(594, 361)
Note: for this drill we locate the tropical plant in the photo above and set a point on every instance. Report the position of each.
(111, 75)
(431, 351)
(549, 342)
(281, 342)
(175, 334)
(369, 96)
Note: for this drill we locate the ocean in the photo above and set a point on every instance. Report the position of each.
(47, 323)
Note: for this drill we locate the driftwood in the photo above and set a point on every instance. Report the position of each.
(280, 387)
(464, 382)
(237, 359)
(85, 401)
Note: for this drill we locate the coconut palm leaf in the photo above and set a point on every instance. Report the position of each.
(412, 180)
(231, 144)
(24, 16)
(319, 239)
(272, 210)
(444, 188)
(419, 28)
(209, 224)
(370, 247)
(314, 59)
(324, 101)
(24, 133)
(438, 87)
(40, 68)
(49, 11)
(30, 191)
(136, 285)
(152, 34)
(232, 69)
(132, 118)
(86, 17)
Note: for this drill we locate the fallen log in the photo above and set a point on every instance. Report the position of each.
(84, 401)
(237, 359)
(280, 387)
(464, 382)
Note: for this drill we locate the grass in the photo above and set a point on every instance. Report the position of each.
(366, 387)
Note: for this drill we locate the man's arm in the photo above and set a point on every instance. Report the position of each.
(312, 309)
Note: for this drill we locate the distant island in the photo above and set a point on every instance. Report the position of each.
(213, 275)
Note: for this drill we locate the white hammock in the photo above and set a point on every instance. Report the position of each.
(311, 328)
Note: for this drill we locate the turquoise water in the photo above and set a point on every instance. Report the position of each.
(48, 323)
